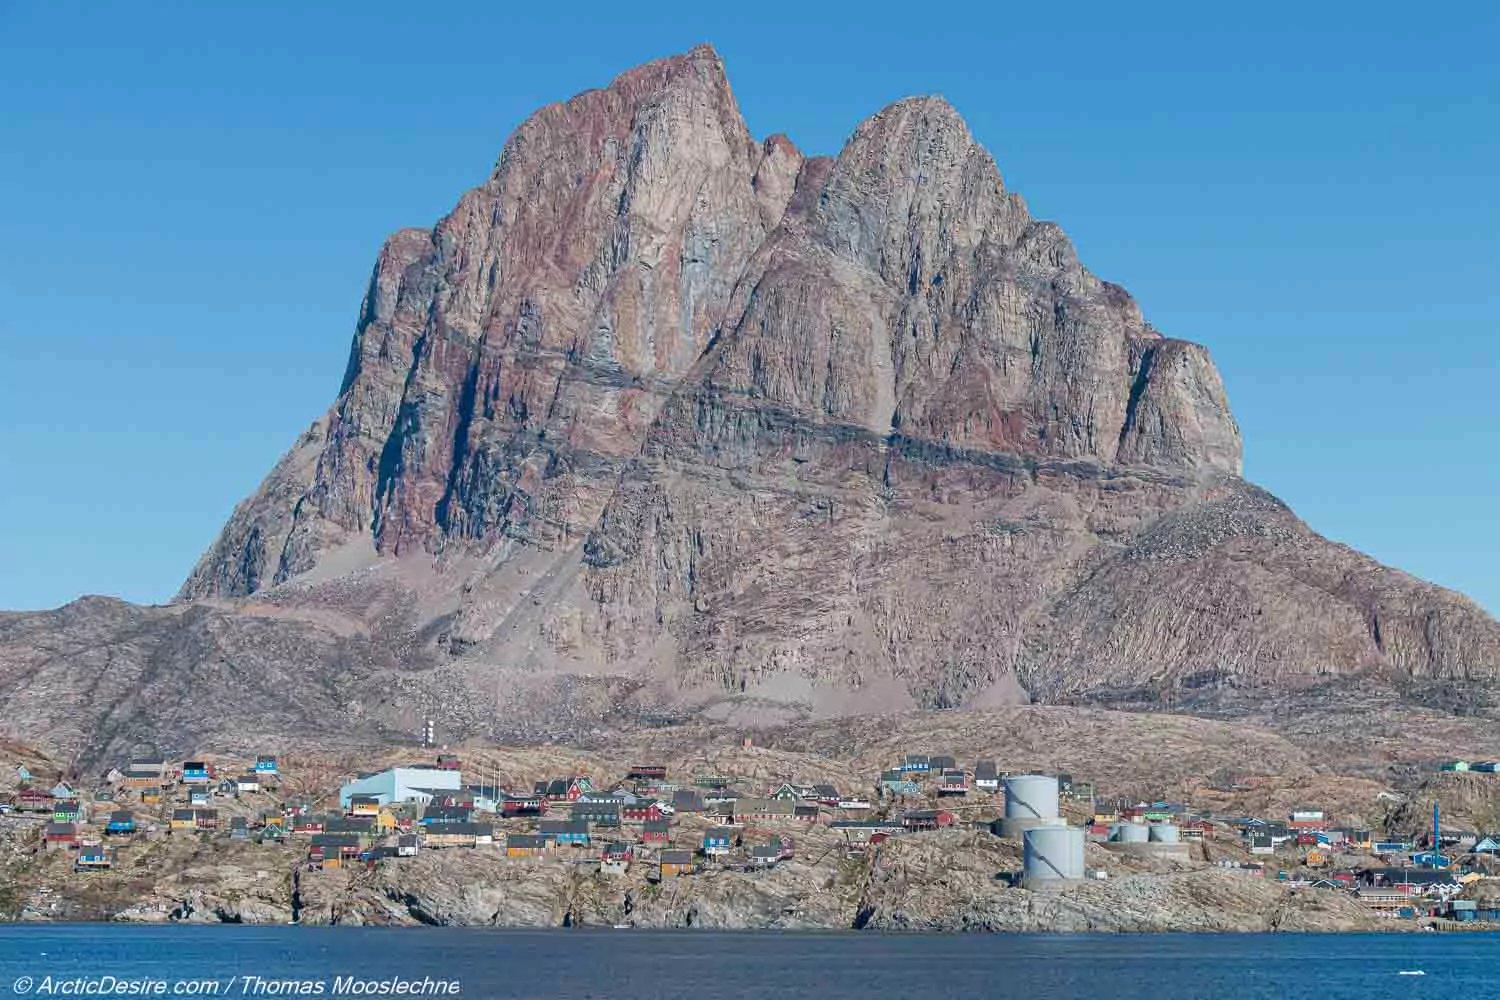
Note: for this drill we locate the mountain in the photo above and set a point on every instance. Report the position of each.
(662, 416)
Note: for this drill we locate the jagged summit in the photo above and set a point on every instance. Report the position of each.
(660, 413)
(508, 363)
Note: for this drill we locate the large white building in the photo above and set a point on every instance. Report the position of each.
(403, 784)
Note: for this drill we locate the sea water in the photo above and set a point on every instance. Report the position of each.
(45, 960)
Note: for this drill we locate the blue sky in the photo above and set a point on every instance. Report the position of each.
(191, 200)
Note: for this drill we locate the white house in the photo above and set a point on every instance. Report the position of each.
(403, 784)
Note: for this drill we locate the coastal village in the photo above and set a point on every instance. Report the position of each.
(654, 819)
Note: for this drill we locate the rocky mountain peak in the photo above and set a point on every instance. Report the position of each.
(660, 402)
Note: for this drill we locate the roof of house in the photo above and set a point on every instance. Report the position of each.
(556, 826)
(1411, 876)
(61, 830)
(349, 824)
(335, 840)
(596, 807)
(443, 814)
(460, 829)
(525, 840)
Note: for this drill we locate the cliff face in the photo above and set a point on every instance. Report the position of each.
(508, 362)
(657, 400)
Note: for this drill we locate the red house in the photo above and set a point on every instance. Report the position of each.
(640, 812)
(59, 836)
(308, 824)
(523, 805)
(656, 831)
(927, 819)
(33, 800)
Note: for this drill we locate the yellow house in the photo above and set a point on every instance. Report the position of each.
(184, 819)
(1104, 814)
(674, 863)
(1316, 858)
(151, 796)
(524, 846)
(385, 821)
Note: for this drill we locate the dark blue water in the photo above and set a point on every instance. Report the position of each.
(702, 965)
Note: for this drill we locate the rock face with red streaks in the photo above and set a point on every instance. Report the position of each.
(660, 402)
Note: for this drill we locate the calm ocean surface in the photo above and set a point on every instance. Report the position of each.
(224, 961)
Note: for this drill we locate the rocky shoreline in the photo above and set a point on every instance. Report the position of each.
(942, 882)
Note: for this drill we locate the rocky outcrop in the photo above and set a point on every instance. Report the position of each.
(507, 362)
(659, 413)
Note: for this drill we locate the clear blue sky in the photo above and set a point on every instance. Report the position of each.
(190, 202)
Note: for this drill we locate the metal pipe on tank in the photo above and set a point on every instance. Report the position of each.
(1053, 853)
(1031, 796)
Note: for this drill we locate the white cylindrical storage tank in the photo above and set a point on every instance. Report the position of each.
(1164, 833)
(1133, 833)
(1053, 853)
(1031, 796)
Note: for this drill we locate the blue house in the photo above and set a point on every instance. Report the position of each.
(23, 772)
(265, 765)
(198, 797)
(916, 763)
(120, 821)
(62, 790)
(569, 831)
(1391, 847)
(1487, 845)
(898, 783)
(1430, 859)
(717, 840)
(196, 772)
